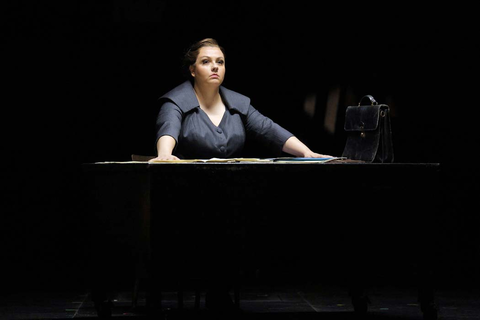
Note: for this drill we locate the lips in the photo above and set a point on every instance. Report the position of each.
(214, 75)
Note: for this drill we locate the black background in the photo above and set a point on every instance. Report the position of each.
(80, 81)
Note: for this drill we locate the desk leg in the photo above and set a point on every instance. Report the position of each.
(360, 301)
(104, 309)
(426, 267)
(427, 303)
(101, 282)
(358, 273)
(100, 296)
(426, 292)
(153, 290)
(359, 262)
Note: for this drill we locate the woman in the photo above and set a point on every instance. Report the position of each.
(200, 119)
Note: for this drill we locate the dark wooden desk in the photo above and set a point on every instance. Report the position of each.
(348, 220)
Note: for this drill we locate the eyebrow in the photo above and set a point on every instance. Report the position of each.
(211, 57)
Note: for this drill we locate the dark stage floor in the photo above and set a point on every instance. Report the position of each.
(257, 302)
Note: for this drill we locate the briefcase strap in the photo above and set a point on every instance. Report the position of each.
(372, 100)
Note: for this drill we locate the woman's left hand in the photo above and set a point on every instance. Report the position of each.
(297, 148)
(312, 154)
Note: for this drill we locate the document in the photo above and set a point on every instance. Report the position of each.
(252, 160)
(213, 160)
(292, 160)
(305, 160)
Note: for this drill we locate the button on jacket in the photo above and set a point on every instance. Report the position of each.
(181, 117)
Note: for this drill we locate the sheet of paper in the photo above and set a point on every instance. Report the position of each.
(305, 160)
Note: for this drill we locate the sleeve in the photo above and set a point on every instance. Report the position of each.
(169, 121)
(266, 131)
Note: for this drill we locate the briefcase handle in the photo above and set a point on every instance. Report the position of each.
(372, 100)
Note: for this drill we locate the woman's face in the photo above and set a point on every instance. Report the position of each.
(209, 67)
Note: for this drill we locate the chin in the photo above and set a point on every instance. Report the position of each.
(215, 81)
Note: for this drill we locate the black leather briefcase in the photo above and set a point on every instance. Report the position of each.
(369, 135)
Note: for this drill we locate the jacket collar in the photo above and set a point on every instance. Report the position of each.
(184, 97)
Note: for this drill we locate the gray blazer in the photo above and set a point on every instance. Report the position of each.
(181, 117)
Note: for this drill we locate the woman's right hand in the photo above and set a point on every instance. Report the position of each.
(164, 157)
(165, 145)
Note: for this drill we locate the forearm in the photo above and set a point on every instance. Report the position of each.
(165, 146)
(295, 147)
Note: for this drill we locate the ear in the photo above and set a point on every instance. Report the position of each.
(192, 70)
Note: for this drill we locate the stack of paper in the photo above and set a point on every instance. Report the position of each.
(235, 160)
(251, 160)
(213, 160)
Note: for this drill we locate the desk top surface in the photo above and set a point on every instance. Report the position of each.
(255, 166)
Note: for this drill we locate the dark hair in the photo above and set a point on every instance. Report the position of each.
(191, 55)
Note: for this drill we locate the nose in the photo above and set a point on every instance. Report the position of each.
(214, 67)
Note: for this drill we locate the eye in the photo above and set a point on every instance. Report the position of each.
(204, 61)
(220, 62)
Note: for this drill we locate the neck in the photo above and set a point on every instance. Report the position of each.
(207, 96)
